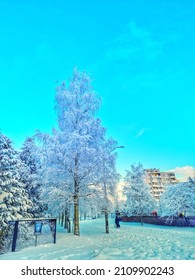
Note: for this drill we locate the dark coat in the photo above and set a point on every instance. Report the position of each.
(117, 220)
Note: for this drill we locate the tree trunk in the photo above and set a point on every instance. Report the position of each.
(62, 219)
(66, 212)
(76, 215)
(106, 221)
(76, 199)
(106, 210)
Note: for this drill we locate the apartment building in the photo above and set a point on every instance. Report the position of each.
(158, 180)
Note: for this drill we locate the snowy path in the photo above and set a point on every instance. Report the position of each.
(131, 241)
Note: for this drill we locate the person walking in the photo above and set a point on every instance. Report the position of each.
(117, 221)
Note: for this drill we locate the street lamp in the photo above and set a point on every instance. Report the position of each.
(117, 147)
(106, 210)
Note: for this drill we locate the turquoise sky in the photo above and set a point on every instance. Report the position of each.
(139, 54)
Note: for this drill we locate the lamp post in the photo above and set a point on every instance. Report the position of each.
(105, 193)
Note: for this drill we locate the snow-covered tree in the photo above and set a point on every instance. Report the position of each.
(179, 198)
(14, 200)
(31, 175)
(75, 153)
(139, 200)
(108, 178)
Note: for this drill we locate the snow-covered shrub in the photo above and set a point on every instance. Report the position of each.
(179, 198)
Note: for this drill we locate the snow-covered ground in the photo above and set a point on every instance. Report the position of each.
(130, 242)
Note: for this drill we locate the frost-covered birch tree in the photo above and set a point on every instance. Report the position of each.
(14, 199)
(139, 200)
(75, 152)
(179, 198)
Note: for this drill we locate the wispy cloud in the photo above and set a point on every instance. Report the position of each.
(142, 132)
(134, 58)
(134, 45)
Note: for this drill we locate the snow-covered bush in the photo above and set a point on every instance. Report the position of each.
(179, 198)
